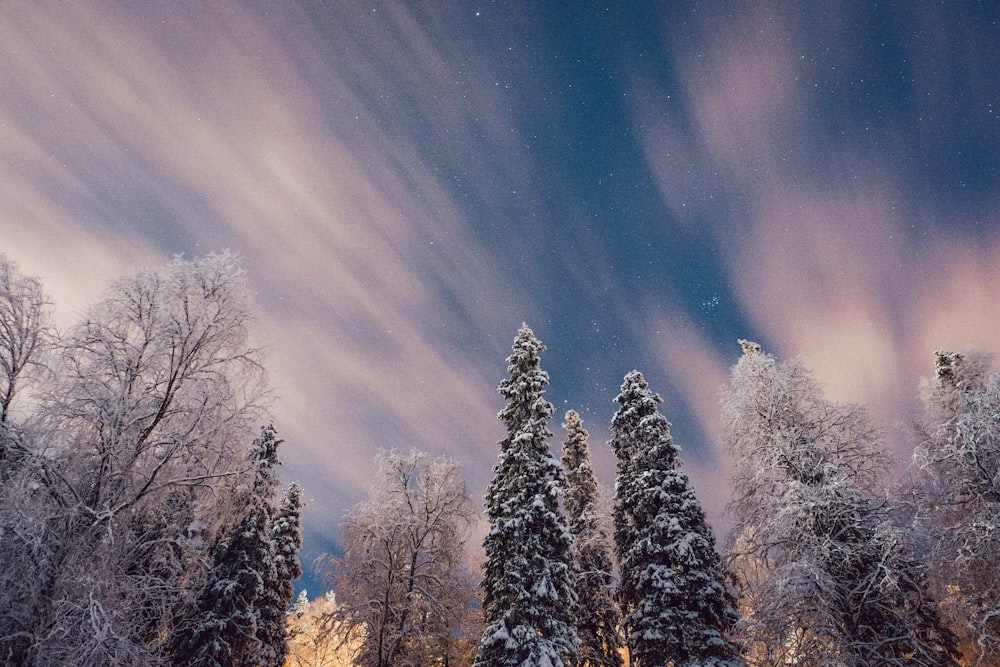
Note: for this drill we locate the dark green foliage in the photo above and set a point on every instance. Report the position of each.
(596, 614)
(528, 592)
(240, 614)
(225, 632)
(677, 607)
(286, 539)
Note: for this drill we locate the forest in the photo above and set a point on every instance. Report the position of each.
(142, 521)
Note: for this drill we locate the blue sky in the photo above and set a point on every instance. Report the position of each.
(642, 183)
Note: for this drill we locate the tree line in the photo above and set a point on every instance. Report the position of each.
(828, 564)
(141, 521)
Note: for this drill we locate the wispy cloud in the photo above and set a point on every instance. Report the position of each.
(135, 135)
(399, 220)
(823, 260)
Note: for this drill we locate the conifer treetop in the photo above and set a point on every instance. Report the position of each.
(596, 614)
(676, 606)
(638, 427)
(526, 412)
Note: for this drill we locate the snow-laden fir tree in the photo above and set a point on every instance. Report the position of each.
(528, 591)
(825, 578)
(596, 613)
(225, 630)
(676, 605)
(957, 497)
(285, 531)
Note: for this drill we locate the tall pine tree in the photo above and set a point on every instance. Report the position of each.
(529, 594)
(676, 604)
(596, 613)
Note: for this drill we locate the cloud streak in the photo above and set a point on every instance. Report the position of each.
(408, 183)
(136, 135)
(823, 247)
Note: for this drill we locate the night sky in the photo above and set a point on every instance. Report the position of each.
(642, 183)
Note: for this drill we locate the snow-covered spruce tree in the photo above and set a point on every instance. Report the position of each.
(673, 589)
(528, 592)
(285, 531)
(825, 578)
(957, 497)
(596, 613)
(225, 630)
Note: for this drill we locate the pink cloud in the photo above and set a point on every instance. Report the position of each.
(351, 234)
(825, 268)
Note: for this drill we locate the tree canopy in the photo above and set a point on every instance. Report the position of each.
(825, 578)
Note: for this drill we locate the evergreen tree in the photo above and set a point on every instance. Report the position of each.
(286, 540)
(225, 630)
(676, 605)
(825, 577)
(596, 614)
(529, 595)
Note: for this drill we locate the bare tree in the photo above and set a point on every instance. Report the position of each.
(318, 635)
(136, 446)
(956, 494)
(825, 578)
(24, 332)
(403, 576)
